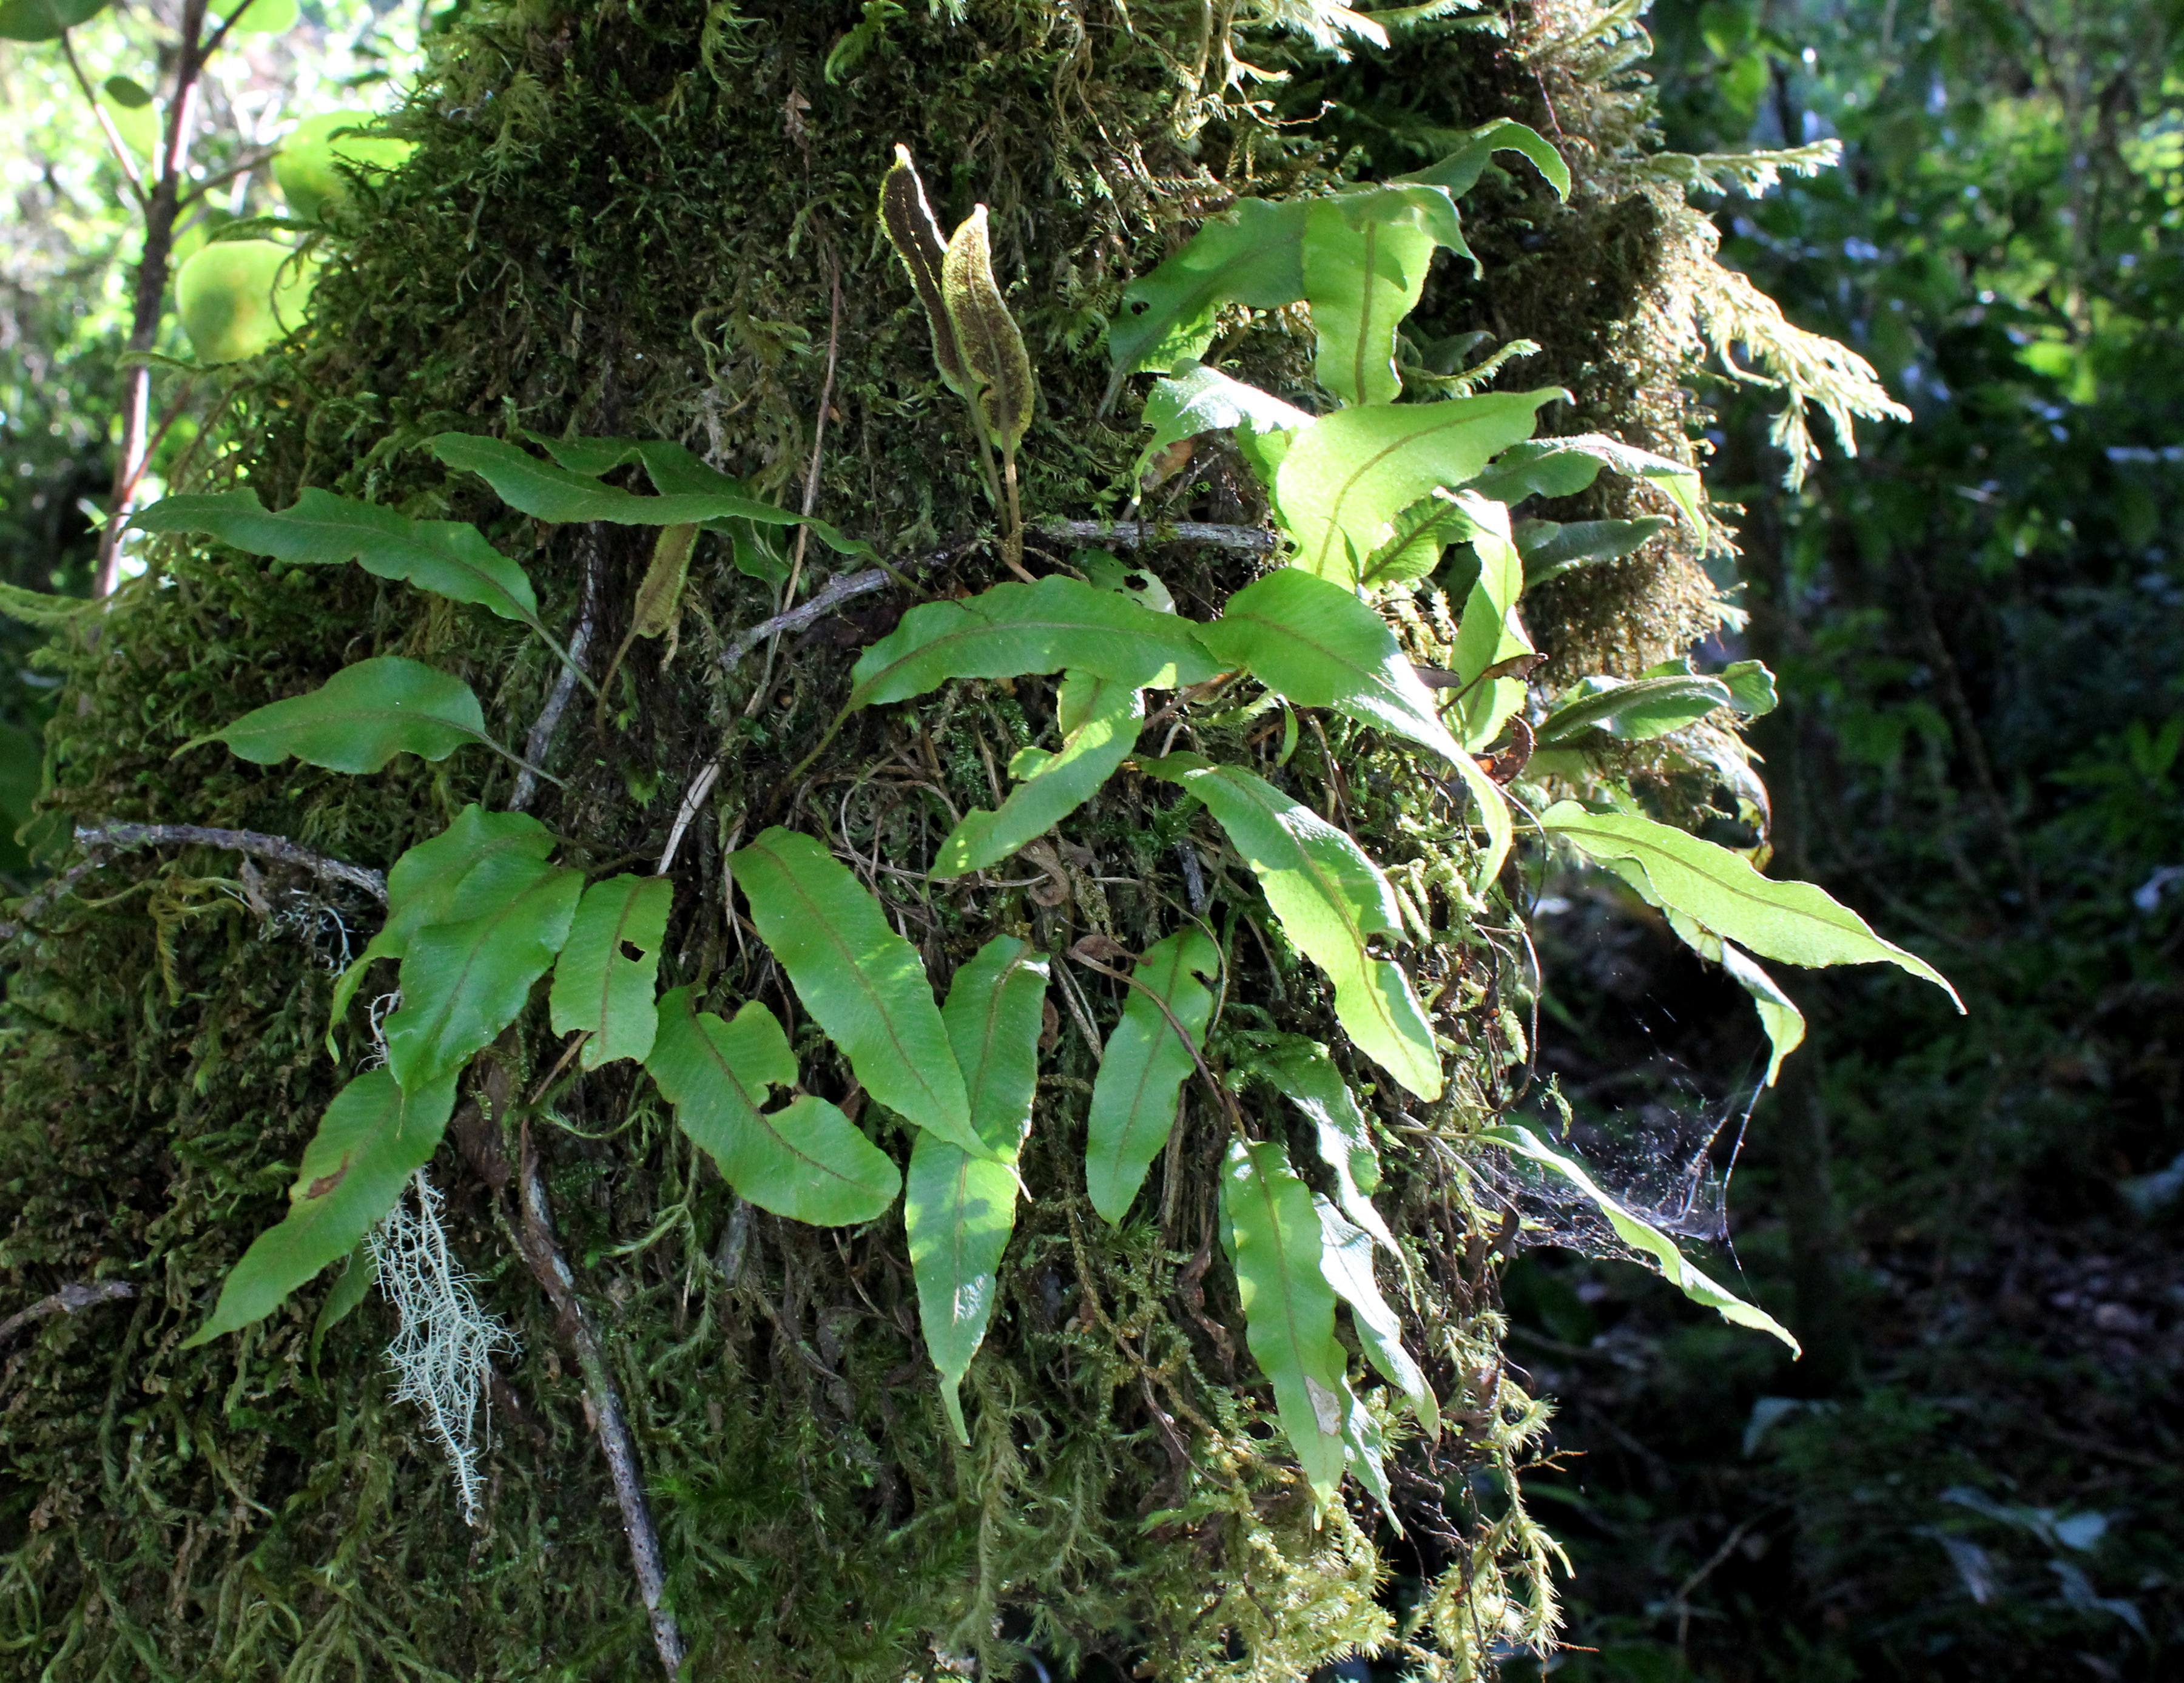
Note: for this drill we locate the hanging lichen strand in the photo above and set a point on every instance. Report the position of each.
(732, 625)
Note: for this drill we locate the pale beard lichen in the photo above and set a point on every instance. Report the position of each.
(443, 1348)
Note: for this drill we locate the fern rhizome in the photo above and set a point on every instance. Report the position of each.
(937, 1050)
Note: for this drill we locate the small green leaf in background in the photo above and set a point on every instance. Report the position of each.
(1346, 1260)
(237, 298)
(463, 982)
(1015, 629)
(264, 17)
(309, 170)
(598, 987)
(480, 861)
(553, 493)
(443, 556)
(1348, 475)
(986, 334)
(1317, 645)
(1275, 1243)
(372, 1139)
(1308, 1079)
(1330, 899)
(1201, 400)
(1363, 271)
(351, 1287)
(360, 718)
(1633, 709)
(1099, 720)
(45, 20)
(861, 981)
(1796, 922)
(1494, 818)
(806, 1162)
(1145, 1062)
(1639, 1234)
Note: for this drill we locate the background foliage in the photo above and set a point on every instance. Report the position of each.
(1978, 625)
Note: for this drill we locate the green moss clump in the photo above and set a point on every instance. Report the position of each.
(655, 219)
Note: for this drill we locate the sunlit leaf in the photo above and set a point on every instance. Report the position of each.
(1633, 709)
(1099, 719)
(1362, 275)
(1459, 172)
(958, 1209)
(1348, 475)
(861, 981)
(1201, 400)
(807, 1160)
(1275, 1243)
(1796, 922)
(1307, 1079)
(373, 1137)
(597, 986)
(1639, 1234)
(1013, 630)
(464, 980)
(443, 556)
(553, 493)
(1563, 467)
(479, 861)
(1145, 1062)
(309, 168)
(237, 298)
(994, 1017)
(1330, 899)
(1252, 256)
(1316, 644)
(1751, 687)
(1347, 1261)
(1489, 634)
(360, 718)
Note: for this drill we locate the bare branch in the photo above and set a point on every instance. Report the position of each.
(1250, 540)
(837, 592)
(75, 1295)
(549, 717)
(279, 849)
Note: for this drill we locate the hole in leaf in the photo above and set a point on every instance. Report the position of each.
(632, 951)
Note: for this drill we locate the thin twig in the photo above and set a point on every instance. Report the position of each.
(130, 172)
(818, 453)
(549, 716)
(278, 848)
(1250, 540)
(75, 1295)
(838, 590)
(542, 1251)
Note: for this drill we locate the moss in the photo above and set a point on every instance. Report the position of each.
(634, 219)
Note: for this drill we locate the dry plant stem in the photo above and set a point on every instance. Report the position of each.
(279, 849)
(535, 745)
(147, 303)
(542, 1252)
(75, 1295)
(1251, 540)
(838, 590)
(818, 454)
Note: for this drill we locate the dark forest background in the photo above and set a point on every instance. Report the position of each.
(1979, 626)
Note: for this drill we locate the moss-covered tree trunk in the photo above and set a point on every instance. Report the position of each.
(655, 220)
